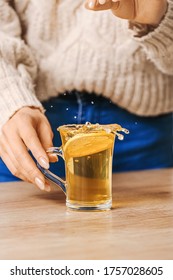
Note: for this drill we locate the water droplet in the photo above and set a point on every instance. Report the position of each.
(67, 109)
(136, 123)
(92, 102)
(75, 117)
(126, 131)
(120, 136)
(51, 106)
(88, 124)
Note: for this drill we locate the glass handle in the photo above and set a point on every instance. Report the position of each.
(48, 174)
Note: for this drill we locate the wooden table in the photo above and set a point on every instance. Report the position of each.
(37, 225)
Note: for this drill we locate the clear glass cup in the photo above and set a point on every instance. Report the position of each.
(87, 151)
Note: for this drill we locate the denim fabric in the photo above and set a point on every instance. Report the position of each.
(148, 146)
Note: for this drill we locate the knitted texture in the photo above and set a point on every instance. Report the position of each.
(48, 47)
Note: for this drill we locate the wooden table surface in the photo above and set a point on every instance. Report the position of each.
(37, 225)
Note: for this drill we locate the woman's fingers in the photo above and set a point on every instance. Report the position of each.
(23, 165)
(18, 136)
(141, 11)
(99, 5)
(30, 138)
(30, 169)
(45, 135)
(120, 8)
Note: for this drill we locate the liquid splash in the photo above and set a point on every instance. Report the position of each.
(89, 127)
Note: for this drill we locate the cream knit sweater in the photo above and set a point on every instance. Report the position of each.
(48, 47)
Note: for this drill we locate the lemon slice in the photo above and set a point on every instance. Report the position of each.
(86, 144)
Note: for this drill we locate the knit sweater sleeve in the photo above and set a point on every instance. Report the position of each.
(158, 44)
(17, 66)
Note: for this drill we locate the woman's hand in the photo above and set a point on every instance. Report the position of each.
(28, 129)
(142, 11)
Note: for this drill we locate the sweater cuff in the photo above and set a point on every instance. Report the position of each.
(14, 97)
(160, 38)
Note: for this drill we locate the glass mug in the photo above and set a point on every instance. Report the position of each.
(87, 151)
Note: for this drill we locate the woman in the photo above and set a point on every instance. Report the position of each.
(62, 63)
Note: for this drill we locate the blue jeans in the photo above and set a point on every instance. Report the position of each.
(148, 146)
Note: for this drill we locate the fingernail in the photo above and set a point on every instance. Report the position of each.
(115, 0)
(102, 2)
(43, 162)
(91, 4)
(40, 183)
